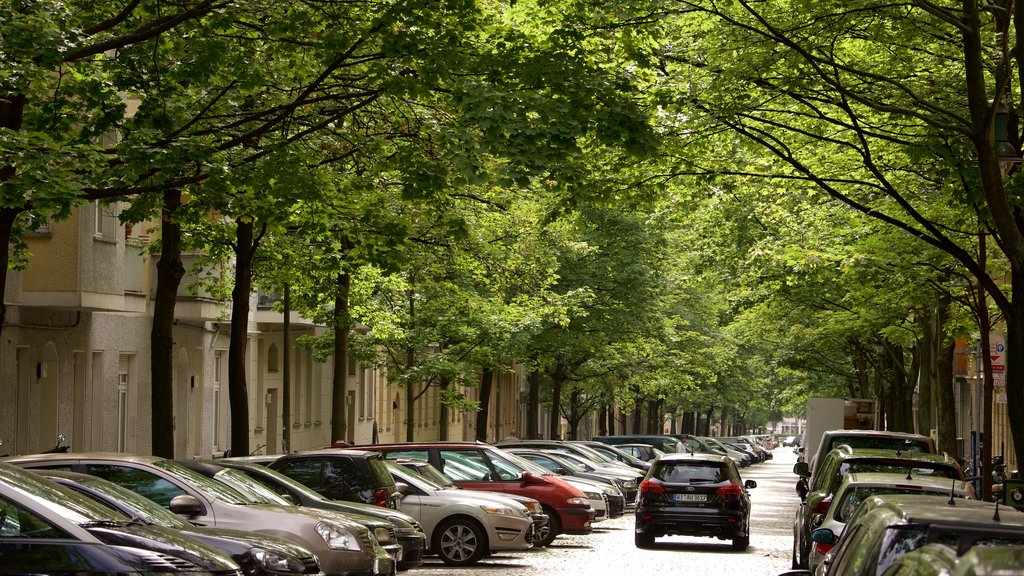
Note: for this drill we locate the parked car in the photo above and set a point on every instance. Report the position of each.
(425, 469)
(693, 495)
(342, 474)
(745, 444)
(484, 467)
(256, 554)
(844, 460)
(885, 528)
(342, 547)
(256, 493)
(593, 458)
(663, 442)
(877, 439)
(644, 452)
(411, 542)
(616, 454)
(857, 486)
(711, 445)
(562, 465)
(462, 527)
(48, 529)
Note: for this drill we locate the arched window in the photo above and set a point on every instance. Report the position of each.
(272, 358)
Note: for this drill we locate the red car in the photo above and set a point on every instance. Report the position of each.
(483, 467)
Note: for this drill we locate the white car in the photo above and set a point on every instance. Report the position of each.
(462, 526)
(860, 485)
(594, 492)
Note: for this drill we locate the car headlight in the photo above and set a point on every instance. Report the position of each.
(592, 495)
(383, 535)
(403, 527)
(503, 510)
(578, 500)
(533, 507)
(277, 563)
(336, 537)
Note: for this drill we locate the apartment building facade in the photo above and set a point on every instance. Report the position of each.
(75, 360)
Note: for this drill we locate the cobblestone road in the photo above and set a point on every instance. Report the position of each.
(609, 550)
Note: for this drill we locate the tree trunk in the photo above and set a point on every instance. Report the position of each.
(7, 218)
(555, 425)
(927, 346)
(533, 403)
(945, 398)
(12, 115)
(286, 374)
(1014, 366)
(238, 389)
(341, 326)
(486, 383)
(442, 428)
(170, 271)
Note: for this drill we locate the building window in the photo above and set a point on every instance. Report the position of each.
(106, 219)
(122, 410)
(218, 364)
(272, 358)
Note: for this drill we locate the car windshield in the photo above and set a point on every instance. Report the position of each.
(911, 467)
(567, 461)
(63, 501)
(256, 492)
(137, 505)
(213, 489)
(432, 474)
(516, 463)
(275, 481)
(403, 474)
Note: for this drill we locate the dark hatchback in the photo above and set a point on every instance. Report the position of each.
(339, 474)
(694, 495)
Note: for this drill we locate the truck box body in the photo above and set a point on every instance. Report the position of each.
(824, 414)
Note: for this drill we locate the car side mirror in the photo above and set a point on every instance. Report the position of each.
(186, 505)
(802, 469)
(402, 488)
(289, 498)
(816, 520)
(563, 471)
(750, 484)
(823, 536)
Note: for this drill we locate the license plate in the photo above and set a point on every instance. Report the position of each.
(690, 497)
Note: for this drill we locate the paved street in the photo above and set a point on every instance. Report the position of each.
(610, 550)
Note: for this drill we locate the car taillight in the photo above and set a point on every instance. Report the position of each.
(821, 507)
(729, 490)
(823, 548)
(381, 497)
(650, 486)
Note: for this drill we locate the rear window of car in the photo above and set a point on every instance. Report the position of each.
(912, 467)
(691, 472)
(880, 442)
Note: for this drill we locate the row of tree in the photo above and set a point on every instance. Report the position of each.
(713, 206)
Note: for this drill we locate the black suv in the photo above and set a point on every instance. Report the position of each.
(694, 495)
(353, 475)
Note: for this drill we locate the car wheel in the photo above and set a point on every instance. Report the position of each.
(547, 534)
(740, 543)
(643, 539)
(459, 541)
